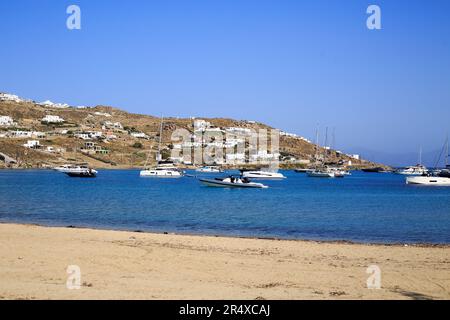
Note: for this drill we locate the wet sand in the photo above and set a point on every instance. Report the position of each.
(132, 265)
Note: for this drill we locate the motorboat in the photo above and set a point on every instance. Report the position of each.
(209, 169)
(339, 172)
(418, 170)
(232, 182)
(262, 175)
(80, 171)
(164, 169)
(63, 168)
(429, 181)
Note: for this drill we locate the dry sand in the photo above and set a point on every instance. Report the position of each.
(131, 265)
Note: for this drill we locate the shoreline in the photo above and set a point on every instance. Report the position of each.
(140, 265)
(218, 235)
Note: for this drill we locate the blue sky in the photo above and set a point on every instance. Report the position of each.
(291, 64)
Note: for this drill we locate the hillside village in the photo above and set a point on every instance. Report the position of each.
(46, 134)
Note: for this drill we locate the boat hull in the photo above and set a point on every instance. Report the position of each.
(429, 181)
(156, 174)
(223, 184)
(314, 174)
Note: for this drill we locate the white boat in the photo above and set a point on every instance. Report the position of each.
(63, 168)
(418, 170)
(429, 181)
(262, 175)
(80, 171)
(321, 173)
(163, 170)
(209, 169)
(339, 172)
(232, 182)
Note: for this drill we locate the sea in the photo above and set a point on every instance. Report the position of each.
(363, 207)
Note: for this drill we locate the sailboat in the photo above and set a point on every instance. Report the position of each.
(441, 179)
(164, 169)
(417, 170)
(322, 172)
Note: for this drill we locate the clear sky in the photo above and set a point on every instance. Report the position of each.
(291, 64)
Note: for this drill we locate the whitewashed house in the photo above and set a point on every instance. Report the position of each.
(140, 135)
(52, 119)
(201, 125)
(6, 121)
(10, 97)
(32, 144)
(20, 134)
(112, 125)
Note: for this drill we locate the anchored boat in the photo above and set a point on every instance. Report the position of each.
(232, 182)
(262, 175)
(429, 181)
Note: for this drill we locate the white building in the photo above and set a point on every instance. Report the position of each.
(201, 125)
(140, 135)
(52, 119)
(238, 130)
(32, 144)
(112, 125)
(20, 134)
(9, 97)
(6, 121)
(354, 156)
(48, 103)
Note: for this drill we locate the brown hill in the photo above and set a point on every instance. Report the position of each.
(125, 151)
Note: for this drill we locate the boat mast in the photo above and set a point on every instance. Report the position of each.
(446, 153)
(158, 156)
(316, 156)
(420, 156)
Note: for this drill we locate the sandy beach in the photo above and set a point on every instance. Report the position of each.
(132, 265)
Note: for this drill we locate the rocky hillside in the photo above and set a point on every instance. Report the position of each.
(108, 137)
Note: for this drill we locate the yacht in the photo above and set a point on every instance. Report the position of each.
(418, 170)
(63, 168)
(439, 178)
(80, 171)
(262, 175)
(429, 181)
(321, 173)
(302, 170)
(209, 169)
(232, 182)
(164, 169)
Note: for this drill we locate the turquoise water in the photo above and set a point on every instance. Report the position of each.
(364, 207)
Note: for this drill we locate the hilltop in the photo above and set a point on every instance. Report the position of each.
(108, 137)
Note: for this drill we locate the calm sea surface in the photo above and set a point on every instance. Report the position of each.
(365, 207)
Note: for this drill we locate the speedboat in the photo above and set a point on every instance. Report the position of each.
(262, 175)
(429, 181)
(339, 173)
(209, 169)
(418, 170)
(162, 170)
(232, 182)
(80, 172)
